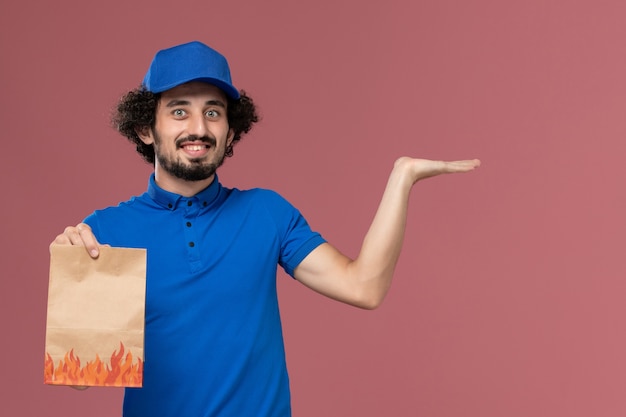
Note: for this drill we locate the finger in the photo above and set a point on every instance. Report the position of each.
(61, 239)
(89, 240)
(462, 166)
(70, 236)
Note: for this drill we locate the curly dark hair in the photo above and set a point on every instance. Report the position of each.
(137, 110)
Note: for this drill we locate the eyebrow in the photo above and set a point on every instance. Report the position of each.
(175, 103)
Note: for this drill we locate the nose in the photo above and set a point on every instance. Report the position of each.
(197, 126)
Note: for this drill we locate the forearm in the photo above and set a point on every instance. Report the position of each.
(373, 268)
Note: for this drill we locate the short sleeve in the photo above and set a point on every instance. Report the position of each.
(297, 239)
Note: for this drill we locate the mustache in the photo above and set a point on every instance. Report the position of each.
(194, 138)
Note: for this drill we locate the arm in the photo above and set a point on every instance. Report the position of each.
(364, 281)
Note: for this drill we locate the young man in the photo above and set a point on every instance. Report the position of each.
(213, 251)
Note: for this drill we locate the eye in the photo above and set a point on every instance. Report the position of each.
(212, 113)
(179, 113)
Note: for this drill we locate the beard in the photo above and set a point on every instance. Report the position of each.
(196, 169)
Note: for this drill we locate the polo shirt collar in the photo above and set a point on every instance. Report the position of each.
(171, 200)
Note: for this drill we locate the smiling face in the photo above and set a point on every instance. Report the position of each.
(190, 136)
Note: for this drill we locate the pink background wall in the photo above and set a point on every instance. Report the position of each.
(509, 295)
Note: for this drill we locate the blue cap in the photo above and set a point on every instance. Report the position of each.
(193, 61)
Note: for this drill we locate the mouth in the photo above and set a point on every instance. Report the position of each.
(195, 150)
(196, 147)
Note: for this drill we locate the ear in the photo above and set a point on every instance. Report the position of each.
(230, 137)
(145, 134)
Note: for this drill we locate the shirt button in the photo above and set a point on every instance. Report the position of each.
(204, 204)
(188, 224)
(191, 244)
(169, 205)
(189, 203)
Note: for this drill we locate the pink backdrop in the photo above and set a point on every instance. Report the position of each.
(508, 298)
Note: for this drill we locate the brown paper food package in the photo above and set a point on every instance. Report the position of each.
(96, 317)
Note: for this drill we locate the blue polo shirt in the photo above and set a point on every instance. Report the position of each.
(213, 338)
